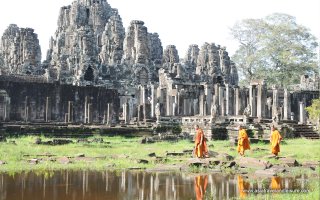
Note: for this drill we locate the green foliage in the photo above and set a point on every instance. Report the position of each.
(274, 48)
(314, 110)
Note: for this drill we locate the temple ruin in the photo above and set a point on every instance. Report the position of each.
(96, 72)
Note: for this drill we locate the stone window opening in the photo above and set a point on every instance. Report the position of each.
(89, 76)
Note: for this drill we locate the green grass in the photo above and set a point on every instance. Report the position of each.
(124, 152)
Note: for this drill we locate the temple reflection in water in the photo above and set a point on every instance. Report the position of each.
(63, 185)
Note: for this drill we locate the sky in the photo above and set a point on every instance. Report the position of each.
(178, 22)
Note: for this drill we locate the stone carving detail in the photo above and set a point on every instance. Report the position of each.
(170, 57)
(74, 49)
(136, 44)
(247, 111)
(192, 56)
(20, 50)
(112, 41)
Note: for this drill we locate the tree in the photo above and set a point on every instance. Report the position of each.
(314, 112)
(274, 48)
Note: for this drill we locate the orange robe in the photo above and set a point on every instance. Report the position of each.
(200, 186)
(275, 142)
(201, 148)
(275, 183)
(243, 141)
(242, 186)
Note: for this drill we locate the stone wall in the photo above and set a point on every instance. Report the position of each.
(52, 102)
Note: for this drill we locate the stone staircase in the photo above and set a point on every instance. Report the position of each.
(305, 131)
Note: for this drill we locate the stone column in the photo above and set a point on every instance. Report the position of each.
(221, 101)
(201, 103)
(126, 113)
(216, 94)
(186, 106)
(169, 103)
(153, 100)
(228, 100)
(275, 101)
(109, 114)
(261, 97)
(48, 109)
(302, 113)
(85, 120)
(195, 106)
(237, 100)
(70, 111)
(208, 93)
(90, 112)
(252, 100)
(286, 105)
(26, 109)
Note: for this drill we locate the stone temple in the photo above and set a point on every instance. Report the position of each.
(97, 72)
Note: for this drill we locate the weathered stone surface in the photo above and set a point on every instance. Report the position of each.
(152, 154)
(198, 162)
(63, 160)
(20, 51)
(143, 161)
(79, 155)
(255, 163)
(175, 153)
(266, 172)
(225, 156)
(34, 161)
(310, 163)
(191, 57)
(2, 162)
(291, 162)
(170, 57)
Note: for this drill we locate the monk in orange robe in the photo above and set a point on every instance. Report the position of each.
(275, 139)
(243, 141)
(200, 149)
(242, 186)
(200, 186)
(275, 183)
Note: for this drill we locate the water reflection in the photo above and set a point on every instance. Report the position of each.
(243, 187)
(200, 186)
(127, 185)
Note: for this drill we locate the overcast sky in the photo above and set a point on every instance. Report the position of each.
(178, 22)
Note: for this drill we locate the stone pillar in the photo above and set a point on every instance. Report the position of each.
(26, 109)
(228, 100)
(261, 101)
(169, 103)
(201, 103)
(90, 112)
(286, 105)
(252, 100)
(185, 106)
(216, 94)
(86, 109)
(275, 102)
(109, 114)
(195, 106)
(126, 113)
(237, 101)
(208, 93)
(48, 109)
(70, 112)
(221, 101)
(302, 113)
(153, 100)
